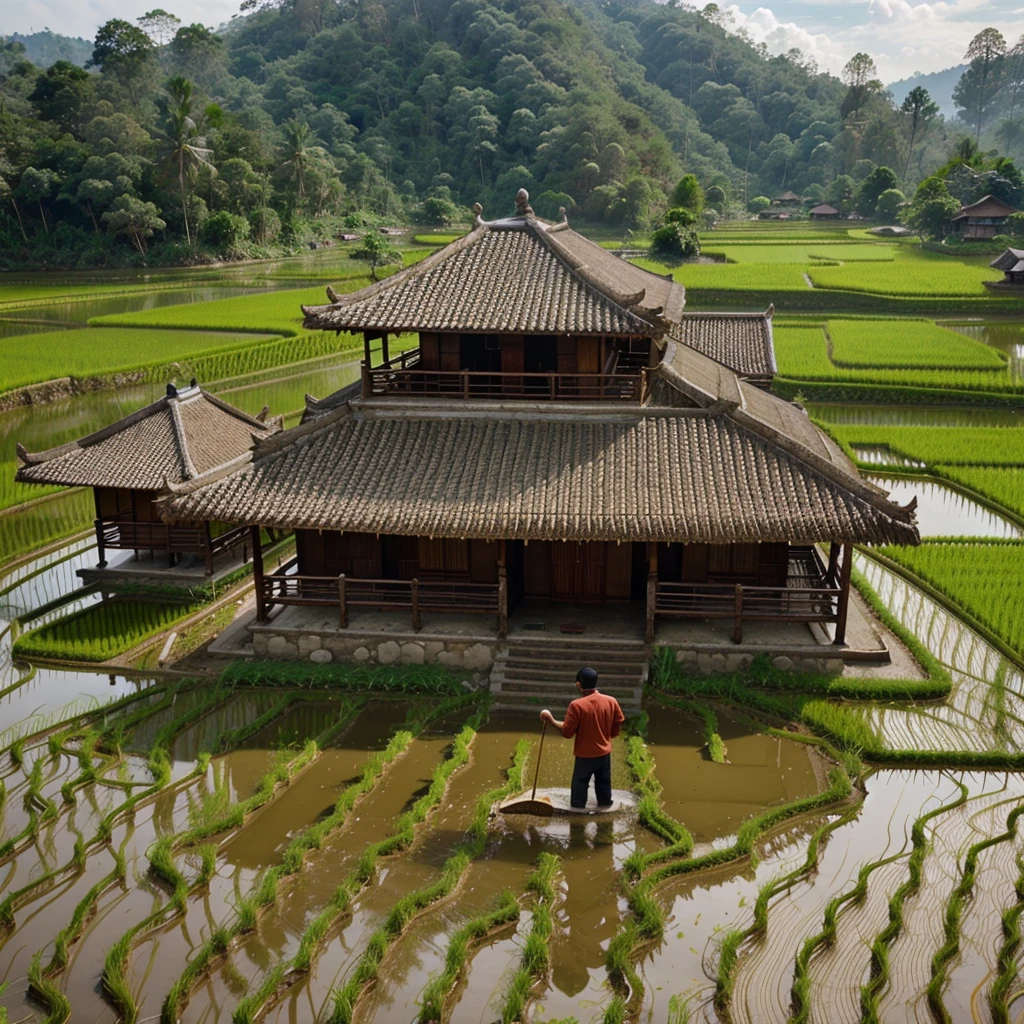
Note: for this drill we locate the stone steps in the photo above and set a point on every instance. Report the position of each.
(531, 673)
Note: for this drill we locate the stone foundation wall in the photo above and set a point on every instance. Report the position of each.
(295, 645)
(706, 663)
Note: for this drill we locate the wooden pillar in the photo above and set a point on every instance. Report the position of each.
(833, 558)
(342, 603)
(652, 591)
(502, 590)
(417, 625)
(844, 595)
(257, 574)
(384, 348)
(737, 622)
(366, 348)
(99, 531)
(208, 545)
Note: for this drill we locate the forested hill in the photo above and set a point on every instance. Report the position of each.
(940, 86)
(303, 110)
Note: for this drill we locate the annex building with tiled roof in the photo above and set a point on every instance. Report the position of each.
(561, 433)
(183, 435)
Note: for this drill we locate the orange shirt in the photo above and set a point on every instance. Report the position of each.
(594, 720)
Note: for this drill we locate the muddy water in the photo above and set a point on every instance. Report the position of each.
(205, 735)
(950, 836)
(277, 935)
(713, 799)
(942, 511)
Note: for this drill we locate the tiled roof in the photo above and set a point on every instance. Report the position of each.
(738, 465)
(1008, 259)
(519, 275)
(823, 210)
(177, 438)
(741, 341)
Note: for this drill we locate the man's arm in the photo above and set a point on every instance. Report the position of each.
(567, 725)
(619, 719)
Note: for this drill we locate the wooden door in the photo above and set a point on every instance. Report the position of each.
(577, 572)
(588, 360)
(592, 564)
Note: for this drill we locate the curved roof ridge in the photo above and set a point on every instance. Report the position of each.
(188, 467)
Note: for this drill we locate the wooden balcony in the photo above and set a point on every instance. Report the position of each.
(286, 587)
(121, 532)
(403, 376)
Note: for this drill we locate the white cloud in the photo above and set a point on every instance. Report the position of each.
(83, 17)
(901, 36)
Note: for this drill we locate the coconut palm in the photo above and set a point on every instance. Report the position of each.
(297, 138)
(184, 146)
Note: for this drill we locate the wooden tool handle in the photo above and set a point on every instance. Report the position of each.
(540, 750)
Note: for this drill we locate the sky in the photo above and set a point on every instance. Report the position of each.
(901, 35)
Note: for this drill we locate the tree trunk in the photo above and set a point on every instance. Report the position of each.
(21, 223)
(42, 213)
(910, 150)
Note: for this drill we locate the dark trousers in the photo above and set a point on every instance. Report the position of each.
(598, 768)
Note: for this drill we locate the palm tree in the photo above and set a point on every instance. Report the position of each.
(918, 104)
(185, 149)
(297, 138)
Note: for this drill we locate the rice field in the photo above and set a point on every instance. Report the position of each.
(934, 446)
(804, 253)
(899, 344)
(802, 353)
(101, 631)
(915, 274)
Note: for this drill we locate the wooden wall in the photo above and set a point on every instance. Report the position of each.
(762, 565)
(111, 501)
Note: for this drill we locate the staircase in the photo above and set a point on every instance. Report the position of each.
(531, 673)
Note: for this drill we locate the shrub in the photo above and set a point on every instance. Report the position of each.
(759, 203)
(224, 231)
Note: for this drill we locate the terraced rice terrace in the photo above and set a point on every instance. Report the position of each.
(191, 849)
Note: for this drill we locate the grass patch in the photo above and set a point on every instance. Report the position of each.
(101, 631)
(432, 679)
(883, 344)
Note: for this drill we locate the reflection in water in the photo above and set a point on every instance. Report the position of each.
(883, 455)
(945, 512)
(1007, 337)
(864, 414)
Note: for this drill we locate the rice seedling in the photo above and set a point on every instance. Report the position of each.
(805, 253)
(1002, 485)
(881, 344)
(712, 740)
(434, 679)
(101, 631)
(802, 355)
(31, 528)
(915, 273)
(535, 956)
(433, 999)
(934, 446)
(733, 277)
(1006, 961)
(985, 580)
(954, 909)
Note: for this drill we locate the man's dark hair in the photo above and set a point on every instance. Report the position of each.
(587, 678)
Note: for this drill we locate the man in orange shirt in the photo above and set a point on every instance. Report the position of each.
(595, 720)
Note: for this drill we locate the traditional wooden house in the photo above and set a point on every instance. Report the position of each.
(1011, 263)
(182, 436)
(787, 199)
(823, 211)
(564, 432)
(983, 219)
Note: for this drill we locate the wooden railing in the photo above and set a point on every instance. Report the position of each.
(392, 379)
(416, 596)
(122, 533)
(746, 603)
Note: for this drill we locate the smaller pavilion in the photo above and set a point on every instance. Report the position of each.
(823, 211)
(131, 463)
(983, 219)
(1011, 263)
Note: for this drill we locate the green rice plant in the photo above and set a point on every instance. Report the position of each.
(871, 993)
(881, 344)
(915, 274)
(438, 988)
(733, 940)
(535, 956)
(1006, 961)
(412, 679)
(946, 446)
(984, 580)
(291, 861)
(102, 631)
(999, 484)
(33, 527)
(805, 252)
(733, 277)
(437, 238)
(802, 355)
(954, 909)
(30, 358)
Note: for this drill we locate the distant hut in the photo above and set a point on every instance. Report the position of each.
(1011, 263)
(789, 199)
(983, 219)
(823, 212)
(184, 434)
(773, 214)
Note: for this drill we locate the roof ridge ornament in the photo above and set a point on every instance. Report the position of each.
(478, 215)
(523, 207)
